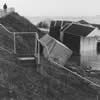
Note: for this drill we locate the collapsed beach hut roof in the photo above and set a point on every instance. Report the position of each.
(90, 52)
(57, 51)
(96, 25)
(79, 29)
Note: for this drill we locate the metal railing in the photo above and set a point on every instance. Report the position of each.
(61, 66)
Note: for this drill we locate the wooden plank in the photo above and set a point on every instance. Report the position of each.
(26, 58)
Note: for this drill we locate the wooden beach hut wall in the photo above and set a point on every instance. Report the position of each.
(67, 25)
(57, 51)
(56, 27)
(72, 42)
(90, 51)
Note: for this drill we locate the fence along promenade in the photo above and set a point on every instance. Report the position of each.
(29, 37)
(10, 45)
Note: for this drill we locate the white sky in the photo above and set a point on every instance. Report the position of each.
(55, 7)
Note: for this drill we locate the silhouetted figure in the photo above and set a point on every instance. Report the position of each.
(5, 6)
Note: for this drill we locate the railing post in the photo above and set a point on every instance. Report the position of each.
(36, 44)
(14, 44)
(97, 98)
(38, 53)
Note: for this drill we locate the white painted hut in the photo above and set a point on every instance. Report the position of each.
(57, 51)
(90, 52)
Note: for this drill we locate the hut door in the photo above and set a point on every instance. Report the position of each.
(98, 47)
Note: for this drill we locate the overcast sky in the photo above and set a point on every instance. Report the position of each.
(55, 7)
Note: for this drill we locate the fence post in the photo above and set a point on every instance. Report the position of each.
(14, 44)
(38, 52)
(97, 98)
(36, 44)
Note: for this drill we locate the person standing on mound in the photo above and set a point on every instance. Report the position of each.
(5, 8)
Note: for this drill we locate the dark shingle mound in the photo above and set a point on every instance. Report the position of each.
(16, 23)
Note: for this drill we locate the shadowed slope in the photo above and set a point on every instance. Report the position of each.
(26, 83)
(16, 23)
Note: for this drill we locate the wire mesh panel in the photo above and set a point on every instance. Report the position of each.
(6, 39)
(25, 44)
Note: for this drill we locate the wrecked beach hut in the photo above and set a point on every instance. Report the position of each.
(56, 27)
(57, 51)
(76, 28)
(80, 29)
(72, 42)
(72, 35)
